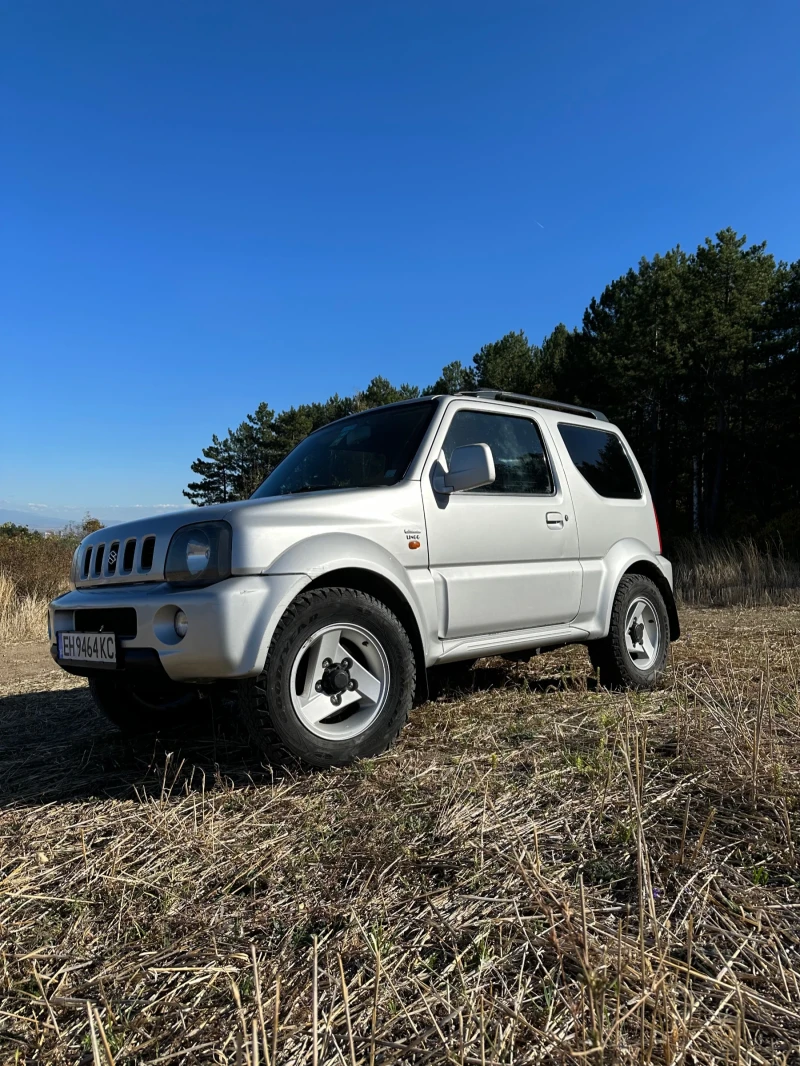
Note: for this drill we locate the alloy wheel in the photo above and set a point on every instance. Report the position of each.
(642, 633)
(339, 681)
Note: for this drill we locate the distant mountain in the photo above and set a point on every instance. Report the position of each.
(31, 519)
(47, 517)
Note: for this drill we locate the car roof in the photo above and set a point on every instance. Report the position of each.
(501, 396)
(497, 397)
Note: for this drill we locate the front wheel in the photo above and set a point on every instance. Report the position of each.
(339, 680)
(634, 653)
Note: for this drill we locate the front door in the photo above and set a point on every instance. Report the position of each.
(505, 556)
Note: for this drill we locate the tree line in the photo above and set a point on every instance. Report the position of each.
(696, 355)
(71, 533)
(37, 563)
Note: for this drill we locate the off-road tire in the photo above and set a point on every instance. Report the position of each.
(610, 656)
(137, 709)
(265, 704)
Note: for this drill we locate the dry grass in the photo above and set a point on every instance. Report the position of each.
(34, 569)
(38, 565)
(540, 872)
(23, 616)
(734, 573)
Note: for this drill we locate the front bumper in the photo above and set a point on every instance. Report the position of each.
(230, 623)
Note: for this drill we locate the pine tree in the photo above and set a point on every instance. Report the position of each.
(455, 377)
(507, 364)
(380, 391)
(695, 355)
(729, 287)
(214, 469)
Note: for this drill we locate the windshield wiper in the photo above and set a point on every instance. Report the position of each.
(313, 488)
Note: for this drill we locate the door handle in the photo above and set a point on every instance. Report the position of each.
(555, 520)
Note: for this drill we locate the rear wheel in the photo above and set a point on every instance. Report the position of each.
(338, 683)
(634, 653)
(140, 707)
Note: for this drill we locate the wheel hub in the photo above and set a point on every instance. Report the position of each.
(339, 681)
(642, 633)
(336, 678)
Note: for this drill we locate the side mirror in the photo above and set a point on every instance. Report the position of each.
(470, 467)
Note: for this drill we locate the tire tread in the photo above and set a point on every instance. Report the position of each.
(253, 703)
(608, 654)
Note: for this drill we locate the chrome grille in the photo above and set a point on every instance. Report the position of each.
(131, 559)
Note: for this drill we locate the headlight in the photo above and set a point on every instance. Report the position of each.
(199, 554)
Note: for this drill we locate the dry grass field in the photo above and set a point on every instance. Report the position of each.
(542, 871)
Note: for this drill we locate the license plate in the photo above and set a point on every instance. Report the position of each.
(88, 648)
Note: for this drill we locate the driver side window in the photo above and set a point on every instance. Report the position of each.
(520, 460)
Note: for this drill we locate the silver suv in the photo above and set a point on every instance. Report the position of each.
(386, 547)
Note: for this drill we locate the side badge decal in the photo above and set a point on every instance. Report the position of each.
(413, 538)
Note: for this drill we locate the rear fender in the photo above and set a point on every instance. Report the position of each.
(602, 578)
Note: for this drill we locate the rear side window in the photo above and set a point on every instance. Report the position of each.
(600, 457)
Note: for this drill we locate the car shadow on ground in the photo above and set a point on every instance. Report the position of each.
(55, 747)
(508, 675)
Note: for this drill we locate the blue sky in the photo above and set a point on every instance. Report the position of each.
(208, 205)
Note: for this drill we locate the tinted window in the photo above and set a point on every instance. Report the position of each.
(375, 448)
(520, 461)
(601, 459)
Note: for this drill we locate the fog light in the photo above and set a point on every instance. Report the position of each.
(181, 624)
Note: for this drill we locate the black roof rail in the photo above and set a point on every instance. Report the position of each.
(534, 401)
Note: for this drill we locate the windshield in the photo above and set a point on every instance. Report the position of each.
(363, 451)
